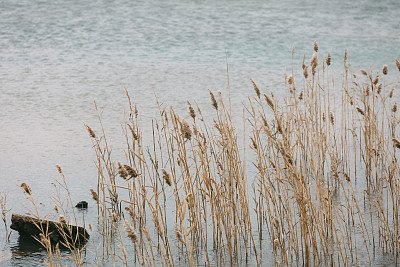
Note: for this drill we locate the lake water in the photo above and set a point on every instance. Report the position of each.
(57, 56)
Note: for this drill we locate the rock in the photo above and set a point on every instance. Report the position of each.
(75, 235)
(82, 205)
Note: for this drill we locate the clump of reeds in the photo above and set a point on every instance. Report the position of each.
(295, 197)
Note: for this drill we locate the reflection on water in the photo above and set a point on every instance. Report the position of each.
(25, 246)
(23, 250)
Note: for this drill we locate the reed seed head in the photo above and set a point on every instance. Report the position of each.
(135, 136)
(130, 232)
(256, 89)
(301, 95)
(59, 169)
(90, 131)
(385, 69)
(328, 59)
(114, 217)
(367, 90)
(114, 196)
(397, 63)
(379, 88)
(122, 171)
(363, 72)
(185, 129)
(305, 71)
(360, 111)
(290, 79)
(195, 131)
(314, 60)
(26, 188)
(391, 93)
(394, 108)
(279, 126)
(213, 100)
(179, 235)
(44, 240)
(94, 196)
(254, 144)
(191, 111)
(130, 212)
(376, 80)
(315, 46)
(313, 70)
(269, 102)
(167, 177)
(131, 171)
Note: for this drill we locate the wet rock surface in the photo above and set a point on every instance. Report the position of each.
(57, 232)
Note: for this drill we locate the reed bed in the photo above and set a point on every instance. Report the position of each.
(321, 188)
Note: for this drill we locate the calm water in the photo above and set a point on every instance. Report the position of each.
(57, 56)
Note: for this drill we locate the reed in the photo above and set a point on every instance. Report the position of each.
(190, 197)
(4, 211)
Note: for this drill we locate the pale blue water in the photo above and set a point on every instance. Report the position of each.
(56, 56)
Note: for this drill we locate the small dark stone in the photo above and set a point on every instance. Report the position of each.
(82, 205)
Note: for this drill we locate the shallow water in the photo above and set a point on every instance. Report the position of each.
(57, 56)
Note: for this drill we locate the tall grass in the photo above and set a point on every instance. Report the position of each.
(322, 182)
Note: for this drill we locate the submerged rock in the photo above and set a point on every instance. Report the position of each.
(82, 205)
(74, 235)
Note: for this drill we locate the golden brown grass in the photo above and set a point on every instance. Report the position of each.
(311, 159)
